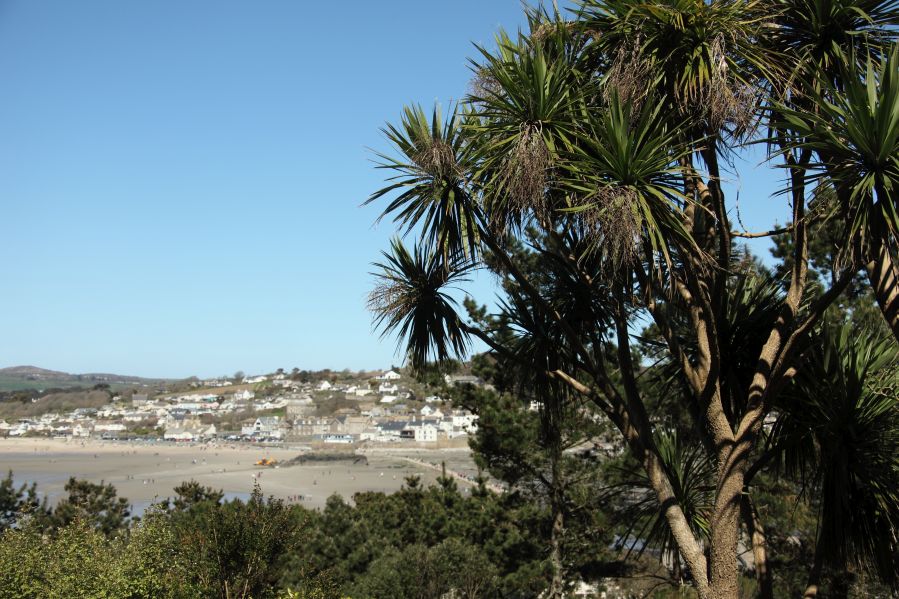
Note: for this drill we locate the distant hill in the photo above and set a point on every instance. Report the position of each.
(32, 377)
(32, 371)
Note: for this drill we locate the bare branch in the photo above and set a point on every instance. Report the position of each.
(748, 235)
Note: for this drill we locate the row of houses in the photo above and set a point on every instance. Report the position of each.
(338, 429)
(431, 426)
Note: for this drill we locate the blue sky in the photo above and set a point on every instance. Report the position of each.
(181, 181)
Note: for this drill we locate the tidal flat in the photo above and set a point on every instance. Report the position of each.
(147, 473)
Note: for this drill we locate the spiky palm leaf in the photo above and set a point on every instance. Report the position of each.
(411, 299)
(855, 135)
(539, 343)
(522, 119)
(624, 167)
(431, 169)
(838, 431)
(583, 298)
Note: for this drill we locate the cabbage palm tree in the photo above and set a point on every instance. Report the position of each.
(838, 430)
(854, 133)
(703, 57)
(586, 133)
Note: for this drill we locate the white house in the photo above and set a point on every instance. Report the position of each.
(371, 433)
(426, 433)
(198, 406)
(134, 416)
(81, 430)
(216, 383)
(324, 386)
(429, 412)
(273, 404)
(18, 430)
(179, 434)
(392, 431)
(390, 375)
(265, 426)
(189, 432)
(335, 438)
(387, 388)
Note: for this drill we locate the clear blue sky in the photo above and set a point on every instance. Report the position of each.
(181, 181)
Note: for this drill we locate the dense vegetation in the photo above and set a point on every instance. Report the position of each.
(418, 542)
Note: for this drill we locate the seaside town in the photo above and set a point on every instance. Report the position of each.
(276, 408)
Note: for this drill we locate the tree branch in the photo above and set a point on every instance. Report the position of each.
(748, 235)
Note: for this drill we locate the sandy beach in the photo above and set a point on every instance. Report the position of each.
(146, 473)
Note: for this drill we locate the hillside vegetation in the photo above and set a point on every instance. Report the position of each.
(59, 402)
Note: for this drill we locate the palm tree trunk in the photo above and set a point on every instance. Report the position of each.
(556, 500)
(759, 548)
(556, 588)
(723, 572)
(885, 283)
(814, 577)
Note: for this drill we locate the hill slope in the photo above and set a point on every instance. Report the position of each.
(32, 377)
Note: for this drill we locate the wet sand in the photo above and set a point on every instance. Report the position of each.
(147, 473)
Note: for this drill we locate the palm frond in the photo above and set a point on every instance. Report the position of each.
(524, 118)
(430, 180)
(692, 479)
(816, 34)
(624, 166)
(411, 299)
